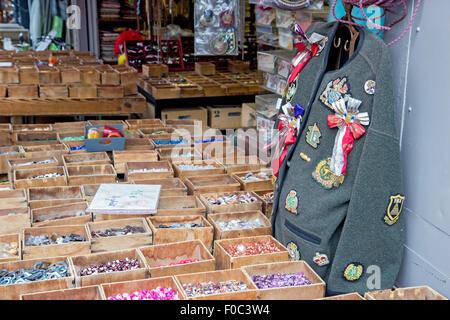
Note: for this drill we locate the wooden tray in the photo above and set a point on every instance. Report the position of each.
(22, 181)
(144, 123)
(18, 153)
(35, 138)
(130, 176)
(32, 128)
(119, 242)
(21, 91)
(56, 250)
(9, 238)
(226, 261)
(212, 183)
(110, 91)
(91, 158)
(220, 234)
(256, 185)
(313, 291)
(170, 187)
(162, 235)
(82, 91)
(113, 289)
(86, 293)
(49, 75)
(149, 133)
(412, 293)
(95, 174)
(139, 144)
(69, 75)
(165, 254)
(120, 158)
(175, 154)
(48, 150)
(41, 197)
(111, 77)
(162, 146)
(28, 75)
(242, 164)
(165, 91)
(22, 164)
(211, 209)
(52, 213)
(53, 91)
(180, 206)
(219, 169)
(89, 75)
(218, 276)
(14, 291)
(76, 126)
(9, 75)
(86, 261)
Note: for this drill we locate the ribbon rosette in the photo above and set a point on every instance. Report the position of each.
(306, 50)
(288, 128)
(349, 121)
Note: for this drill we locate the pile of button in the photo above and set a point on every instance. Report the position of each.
(254, 177)
(279, 280)
(40, 271)
(239, 224)
(155, 294)
(128, 230)
(181, 225)
(252, 248)
(190, 167)
(8, 249)
(234, 198)
(45, 240)
(209, 288)
(149, 170)
(112, 266)
(31, 163)
(48, 175)
(187, 261)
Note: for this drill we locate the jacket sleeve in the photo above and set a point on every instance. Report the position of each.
(369, 252)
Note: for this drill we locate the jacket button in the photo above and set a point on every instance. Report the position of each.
(288, 164)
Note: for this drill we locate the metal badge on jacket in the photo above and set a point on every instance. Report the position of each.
(394, 209)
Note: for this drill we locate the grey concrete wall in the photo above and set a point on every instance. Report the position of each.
(421, 68)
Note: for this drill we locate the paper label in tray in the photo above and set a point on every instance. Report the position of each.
(126, 199)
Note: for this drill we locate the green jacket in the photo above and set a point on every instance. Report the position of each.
(344, 227)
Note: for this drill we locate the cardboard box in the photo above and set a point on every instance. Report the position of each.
(196, 113)
(225, 117)
(248, 119)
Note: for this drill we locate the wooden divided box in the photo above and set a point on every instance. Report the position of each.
(219, 234)
(213, 168)
(138, 144)
(227, 208)
(188, 154)
(162, 234)
(170, 187)
(113, 289)
(24, 179)
(412, 293)
(53, 91)
(160, 257)
(14, 291)
(225, 261)
(213, 183)
(94, 158)
(144, 123)
(265, 184)
(120, 158)
(21, 91)
(133, 170)
(85, 261)
(180, 206)
(13, 239)
(122, 242)
(345, 297)
(56, 250)
(41, 197)
(219, 276)
(68, 214)
(313, 291)
(91, 174)
(87, 293)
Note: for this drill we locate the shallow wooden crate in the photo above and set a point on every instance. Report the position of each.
(43, 127)
(110, 91)
(130, 89)
(165, 254)
(14, 291)
(165, 91)
(62, 136)
(267, 207)
(107, 123)
(138, 144)
(176, 154)
(89, 191)
(115, 243)
(41, 197)
(86, 159)
(180, 206)
(86, 261)
(83, 91)
(242, 164)
(6, 153)
(120, 158)
(22, 181)
(10, 199)
(9, 75)
(151, 133)
(90, 174)
(220, 234)
(23, 164)
(49, 150)
(219, 169)
(238, 66)
(213, 89)
(28, 75)
(144, 123)
(162, 235)
(89, 75)
(75, 126)
(190, 90)
(87, 293)
(205, 68)
(113, 289)
(226, 261)
(35, 138)
(411, 293)
(255, 185)
(51, 216)
(211, 183)
(308, 292)
(219, 276)
(23, 91)
(152, 70)
(133, 134)
(53, 91)
(74, 146)
(348, 296)
(70, 75)
(128, 75)
(111, 77)
(130, 176)
(49, 75)
(56, 250)
(11, 238)
(212, 209)
(170, 187)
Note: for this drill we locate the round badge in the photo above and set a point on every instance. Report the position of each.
(294, 254)
(208, 18)
(219, 45)
(369, 87)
